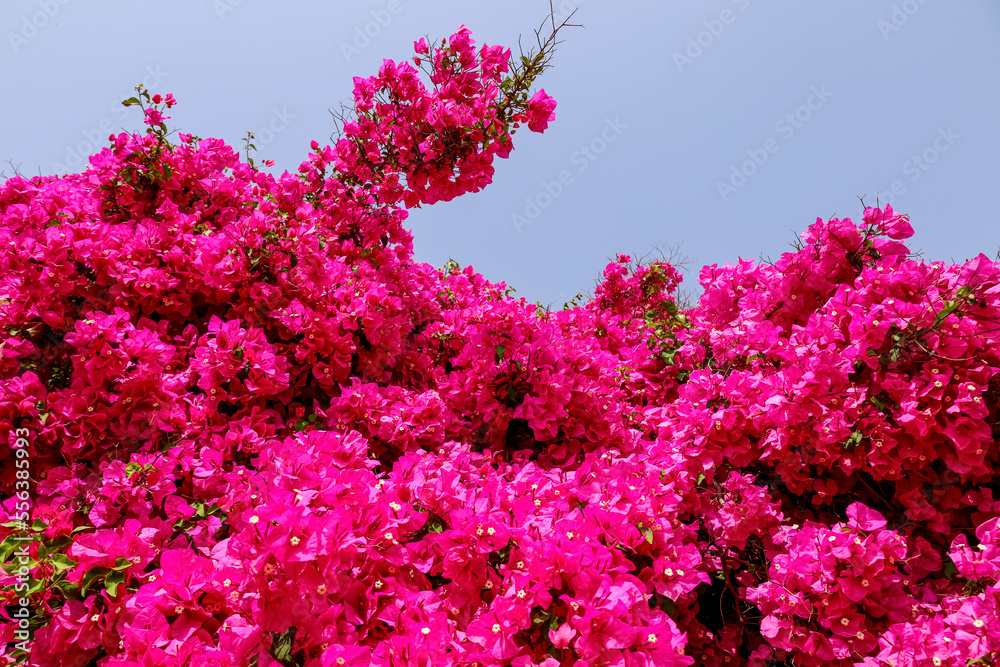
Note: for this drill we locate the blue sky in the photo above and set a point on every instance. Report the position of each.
(724, 127)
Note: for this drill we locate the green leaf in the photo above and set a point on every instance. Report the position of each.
(668, 356)
(8, 546)
(281, 646)
(13, 566)
(949, 569)
(36, 586)
(649, 535)
(498, 351)
(67, 587)
(62, 562)
(701, 478)
(668, 606)
(131, 100)
(853, 441)
(91, 577)
(112, 581)
(942, 315)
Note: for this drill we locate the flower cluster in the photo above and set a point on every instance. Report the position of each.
(263, 434)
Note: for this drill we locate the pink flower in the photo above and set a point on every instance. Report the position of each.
(865, 518)
(495, 635)
(338, 655)
(154, 117)
(541, 110)
(891, 224)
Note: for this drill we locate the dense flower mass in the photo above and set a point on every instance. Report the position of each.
(240, 425)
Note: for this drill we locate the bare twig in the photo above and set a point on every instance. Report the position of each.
(16, 168)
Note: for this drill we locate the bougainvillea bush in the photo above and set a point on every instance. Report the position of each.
(242, 426)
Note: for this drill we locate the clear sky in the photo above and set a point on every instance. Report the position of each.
(725, 126)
